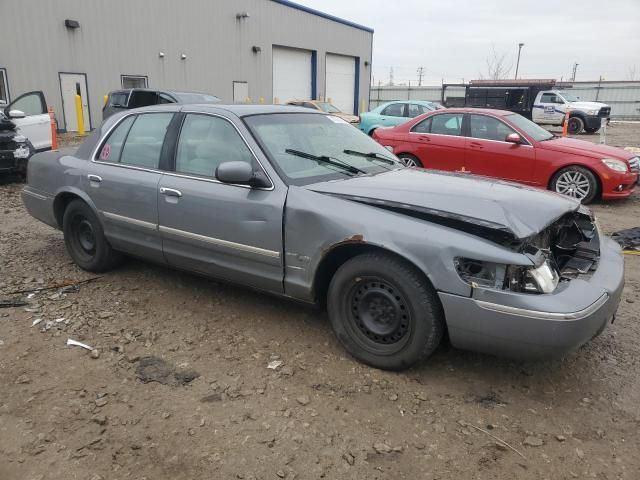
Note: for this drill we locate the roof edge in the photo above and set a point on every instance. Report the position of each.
(318, 13)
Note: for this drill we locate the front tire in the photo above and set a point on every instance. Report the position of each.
(409, 160)
(575, 125)
(85, 240)
(576, 182)
(384, 312)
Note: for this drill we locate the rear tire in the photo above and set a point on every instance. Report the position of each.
(384, 312)
(85, 240)
(576, 182)
(409, 160)
(575, 125)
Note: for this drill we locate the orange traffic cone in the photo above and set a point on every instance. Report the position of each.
(54, 130)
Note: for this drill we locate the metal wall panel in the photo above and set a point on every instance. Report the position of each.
(123, 37)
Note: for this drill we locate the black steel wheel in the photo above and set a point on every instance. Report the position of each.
(575, 125)
(384, 311)
(85, 240)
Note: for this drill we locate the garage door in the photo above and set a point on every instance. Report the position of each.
(291, 74)
(341, 81)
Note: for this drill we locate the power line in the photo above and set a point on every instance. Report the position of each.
(420, 72)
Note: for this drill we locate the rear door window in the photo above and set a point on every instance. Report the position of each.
(144, 141)
(394, 110)
(415, 110)
(447, 124)
(110, 151)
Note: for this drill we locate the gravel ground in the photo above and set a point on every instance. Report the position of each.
(179, 386)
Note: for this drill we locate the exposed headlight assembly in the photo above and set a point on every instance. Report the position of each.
(617, 165)
(593, 112)
(541, 279)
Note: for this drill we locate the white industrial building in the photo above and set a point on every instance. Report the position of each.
(268, 51)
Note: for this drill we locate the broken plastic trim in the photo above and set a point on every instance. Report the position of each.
(492, 231)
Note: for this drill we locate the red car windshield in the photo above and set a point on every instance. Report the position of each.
(534, 131)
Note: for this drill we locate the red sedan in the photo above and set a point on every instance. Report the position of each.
(503, 144)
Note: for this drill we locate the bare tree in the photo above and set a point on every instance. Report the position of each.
(498, 67)
(632, 73)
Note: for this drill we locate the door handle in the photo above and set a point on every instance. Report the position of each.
(94, 178)
(170, 192)
(475, 145)
(424, 139)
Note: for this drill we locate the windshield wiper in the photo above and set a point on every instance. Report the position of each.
(373, 155)
(325, 159)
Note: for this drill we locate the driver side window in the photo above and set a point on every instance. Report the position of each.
(206, 142)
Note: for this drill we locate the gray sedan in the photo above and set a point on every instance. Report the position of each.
(303, 205)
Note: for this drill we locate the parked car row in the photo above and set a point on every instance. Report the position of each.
(505, 145)
(299, 203)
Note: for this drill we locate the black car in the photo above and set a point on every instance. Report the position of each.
(15, 149)
(129, 98)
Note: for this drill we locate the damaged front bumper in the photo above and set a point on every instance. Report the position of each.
(526, 326)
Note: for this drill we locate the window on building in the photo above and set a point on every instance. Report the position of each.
(133, 81)
(4, 86)
(206, 142)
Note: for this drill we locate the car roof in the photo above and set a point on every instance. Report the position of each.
(490, 111)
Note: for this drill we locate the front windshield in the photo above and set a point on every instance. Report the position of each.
(282, 134)
(569, 97)
(531, 129)
(327, 107)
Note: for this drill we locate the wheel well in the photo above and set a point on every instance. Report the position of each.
(60, 205)
(595, 174)
(371, 130)
(337, 256)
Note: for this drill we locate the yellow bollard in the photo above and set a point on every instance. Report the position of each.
(80, 116)
(261, 100)
(362, 105)
(106, 97)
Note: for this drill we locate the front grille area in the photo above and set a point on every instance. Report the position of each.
(6, 159)
(604, 112)
(572, 244)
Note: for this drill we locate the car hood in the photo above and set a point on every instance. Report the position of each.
(494, 209)
(587, 105)
(582, 147)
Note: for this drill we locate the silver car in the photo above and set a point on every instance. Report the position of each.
(303, 205)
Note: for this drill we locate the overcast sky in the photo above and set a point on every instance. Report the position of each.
(452, 39)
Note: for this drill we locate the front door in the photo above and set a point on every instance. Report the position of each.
(490, 155)
(550, 110)
(72, 84)
(35, 124)
(227, 231)
(122, 181)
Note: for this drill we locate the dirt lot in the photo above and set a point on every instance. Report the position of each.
(67, 415)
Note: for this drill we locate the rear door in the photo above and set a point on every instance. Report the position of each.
(122, 181)
(439, 141)
(35, 125)
(490, 155)
(227, 231)
(394, 114)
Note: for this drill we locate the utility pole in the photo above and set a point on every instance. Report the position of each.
(575, 68)
(520, 45)
(391, 76)
(420, 72)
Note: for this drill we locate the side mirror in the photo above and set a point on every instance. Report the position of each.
(513, 138)
(16, 114)
(241, 173)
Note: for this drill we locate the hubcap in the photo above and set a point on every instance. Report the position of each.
(574, 184)
(408, 162)
(379, 312)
